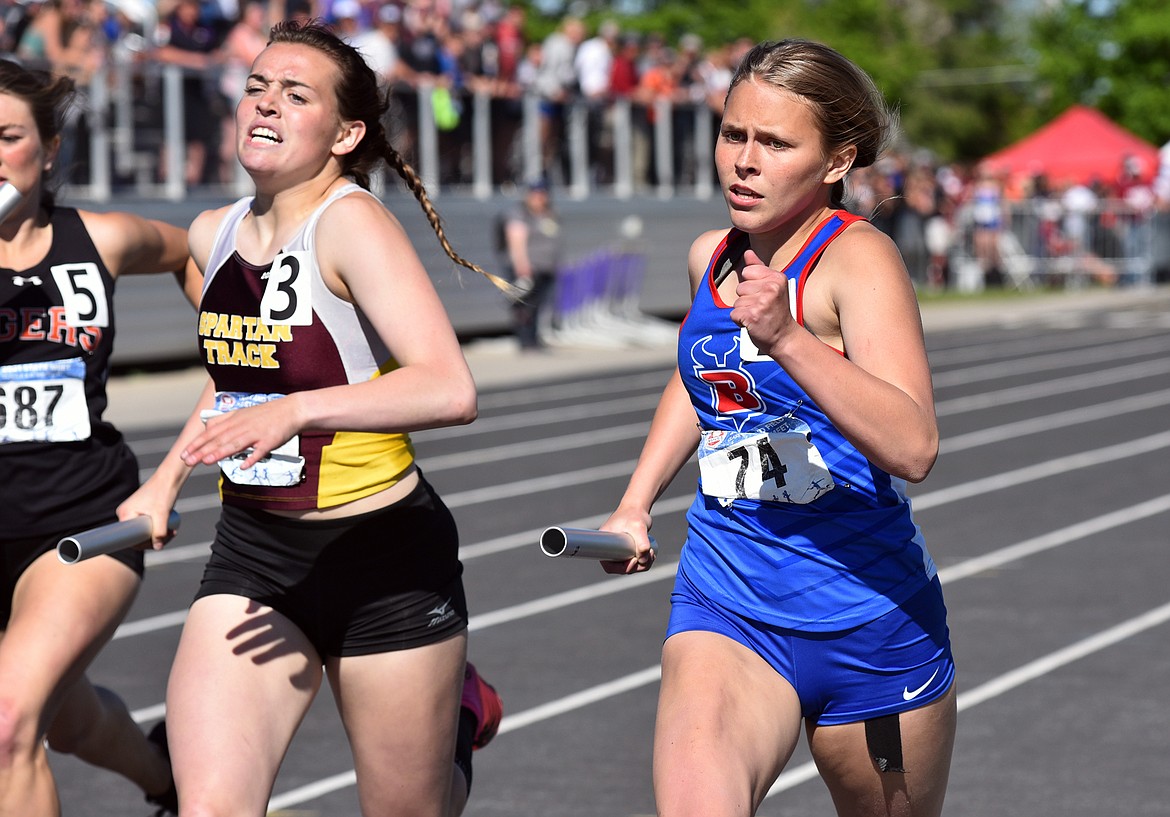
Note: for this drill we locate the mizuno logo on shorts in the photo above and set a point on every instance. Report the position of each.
(440, 614)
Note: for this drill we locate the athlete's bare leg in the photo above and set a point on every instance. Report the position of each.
(93, 724)
(401, 712)
(62, 615)
(727, 724)
(859, 789)
(243, 679)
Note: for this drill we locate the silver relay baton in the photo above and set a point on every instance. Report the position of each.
(109, 538)
(586, 543)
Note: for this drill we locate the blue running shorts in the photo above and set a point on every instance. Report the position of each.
(900, 661)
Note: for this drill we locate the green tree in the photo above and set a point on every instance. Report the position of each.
(1113, 55)
(950, 67)
(941, 63)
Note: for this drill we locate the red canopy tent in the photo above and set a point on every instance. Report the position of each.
(1080, 145)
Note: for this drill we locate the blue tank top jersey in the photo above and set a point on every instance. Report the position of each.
(791, 525)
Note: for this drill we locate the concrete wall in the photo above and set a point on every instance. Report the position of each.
(155, 324)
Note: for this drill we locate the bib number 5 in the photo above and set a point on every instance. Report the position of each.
(83, 293)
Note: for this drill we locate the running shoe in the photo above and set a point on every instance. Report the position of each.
(482, 700)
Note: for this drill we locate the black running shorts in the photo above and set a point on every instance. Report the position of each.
(385, 580)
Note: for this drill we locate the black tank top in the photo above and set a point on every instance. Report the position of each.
(58, 316)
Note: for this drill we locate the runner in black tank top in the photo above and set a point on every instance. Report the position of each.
(65, 468)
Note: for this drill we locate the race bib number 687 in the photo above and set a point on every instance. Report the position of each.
(43, 402)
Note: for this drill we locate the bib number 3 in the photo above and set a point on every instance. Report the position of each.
(287, 295)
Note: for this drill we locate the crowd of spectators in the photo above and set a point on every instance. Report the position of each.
(451, 50)
(448, 49)
(1022, 230)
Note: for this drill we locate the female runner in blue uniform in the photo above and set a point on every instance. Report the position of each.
(804, 590)
(64, 468)
(326, 344)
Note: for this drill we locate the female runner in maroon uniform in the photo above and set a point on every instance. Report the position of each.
(327, 344)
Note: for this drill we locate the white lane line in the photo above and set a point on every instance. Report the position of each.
(931, 499)
(1094, 348)
(1042, 470)
(585, 697)
(1051, 388)
(807, 771)
(151, 624)
(477, 550)
(1053, 539)
(663, 570)
(631, 431)
(970, 353)
(490, 493)
(510, 723)
(528, 419)
(530, 448)
(592, 388)
(627, 404)
(623, 405)
(1104, 353)
(552, 482)
(1061, 419)
(510, 490)
(1055, 660)
(579, 595)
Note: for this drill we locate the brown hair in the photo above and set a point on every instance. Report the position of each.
(846, 104)
(359, 98)
(49, 98)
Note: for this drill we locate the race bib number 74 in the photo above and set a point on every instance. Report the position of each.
(775, 463)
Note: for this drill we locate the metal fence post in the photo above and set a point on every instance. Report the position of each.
(579, 149)
(123, 126)
(663, 148)
(481, 145)
(428, 140)
(100, 187)
(533, 148)
(173, 126)
(623, 150)
(704, 152)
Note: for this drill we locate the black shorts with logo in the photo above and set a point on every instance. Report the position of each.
(389, 579)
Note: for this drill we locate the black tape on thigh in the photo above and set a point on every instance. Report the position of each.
(883, 736)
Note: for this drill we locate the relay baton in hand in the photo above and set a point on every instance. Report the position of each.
(586, 543)
(109, 538)
(9, 198)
